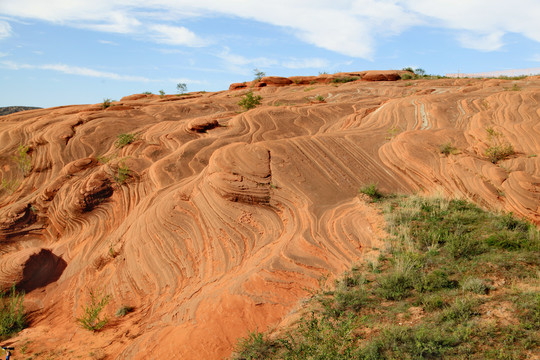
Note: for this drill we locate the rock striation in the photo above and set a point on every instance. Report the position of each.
(213, 222)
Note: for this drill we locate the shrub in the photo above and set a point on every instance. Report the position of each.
(463, 246)
(319, 98)
(395, 286)
(147, 93)
(460, 311)
(106, 103)
(496, 153)
(255, 346)
(124, 310)
(249, 101)
(407, 76)
(371, 191)
(433, 281)
(344, 79)
(122, 173)
(124, 139)
(12, 318)
(432, 302)
(92, 319)
(475, 285)
(506, 240)
(9, 185)
(447, 149)
(23, 159)
(161, 93)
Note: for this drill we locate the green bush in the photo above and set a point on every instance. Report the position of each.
(496, 153)
(447, 149)
(475, 285)
(460, 311)
(92, 319)
(124, 310)
(433, 281)
(507, 240)
(345, 79)
(432, 302)
(12, 317)
(371, 191)
(124, 139)
(256, 346)
(106, 103)
(407, 76)
(23, 159)
(122, 173)
(395, 286)
(249, 101)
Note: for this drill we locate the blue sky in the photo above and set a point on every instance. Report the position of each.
(61, 52)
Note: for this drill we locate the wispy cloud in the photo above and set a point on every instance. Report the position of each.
(241, 64)
(175, 35)
(75, 70)
(348, 27)
(5, 30)
(312, 63)
(83, 71)
(482, 42)
(107, 42)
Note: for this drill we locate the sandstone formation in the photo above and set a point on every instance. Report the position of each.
(214, 222)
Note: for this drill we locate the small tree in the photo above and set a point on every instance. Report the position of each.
(258, 74)
(181, 88)
(420, 72)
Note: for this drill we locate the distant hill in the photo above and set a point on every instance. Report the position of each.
(13, 109)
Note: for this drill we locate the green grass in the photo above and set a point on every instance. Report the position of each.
(443, 257)
(12, 317)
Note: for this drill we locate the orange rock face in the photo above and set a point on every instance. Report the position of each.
(213, 222)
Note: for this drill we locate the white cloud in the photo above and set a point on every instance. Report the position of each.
(75, 70)
(83, 71)
(243, 65)
(5, 30)
(306, 63)
(107, 42)
(349, 27)
(175, 35)
(481, 42)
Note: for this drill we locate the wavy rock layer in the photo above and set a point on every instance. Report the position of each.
(214, 222)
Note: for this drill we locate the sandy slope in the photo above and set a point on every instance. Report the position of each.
(228, 218)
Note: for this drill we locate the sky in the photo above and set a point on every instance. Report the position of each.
(63, 52)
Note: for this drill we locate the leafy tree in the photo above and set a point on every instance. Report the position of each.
(181, 88)
(258, 74)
